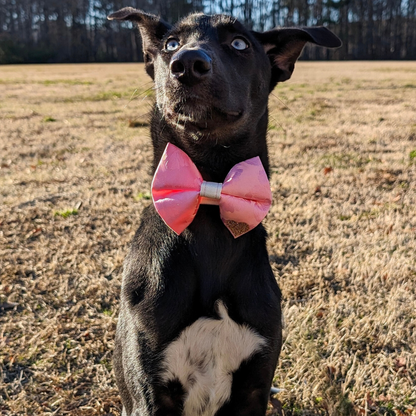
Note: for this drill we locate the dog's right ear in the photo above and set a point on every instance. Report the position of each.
(283, 47)
(152, 29)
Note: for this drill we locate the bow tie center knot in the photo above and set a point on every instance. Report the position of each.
(211, 190)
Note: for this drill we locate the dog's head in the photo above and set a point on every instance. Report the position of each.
(212, 75)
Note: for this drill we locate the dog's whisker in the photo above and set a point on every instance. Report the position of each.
(280, 124)
(285, 104)
(135, 96)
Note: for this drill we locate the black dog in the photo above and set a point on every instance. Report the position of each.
(199, 332)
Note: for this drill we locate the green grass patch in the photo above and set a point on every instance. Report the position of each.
(101, 96)
(345, 217)
(412, 155)
(344, 160)
(374, 213)
(105, 96)
(65, 81)
(66, 213)
(48, 119)
(142, 195)
(8, 81)
(107, 364)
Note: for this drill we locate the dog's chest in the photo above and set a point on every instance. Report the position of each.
(204, 357)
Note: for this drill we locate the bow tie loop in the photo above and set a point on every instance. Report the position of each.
(178, 189)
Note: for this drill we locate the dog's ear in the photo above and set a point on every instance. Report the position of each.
(152, 29)
(283, 46)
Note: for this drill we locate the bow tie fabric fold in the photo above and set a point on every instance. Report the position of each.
(178, 189)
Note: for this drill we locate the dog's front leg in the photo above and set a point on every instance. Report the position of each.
(136, 366)
(251, 387)
(133, 381)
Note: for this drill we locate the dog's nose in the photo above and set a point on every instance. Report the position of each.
(191, 66)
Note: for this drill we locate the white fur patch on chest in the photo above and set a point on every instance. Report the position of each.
(203, 358)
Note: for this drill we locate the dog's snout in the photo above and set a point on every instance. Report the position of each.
(191, 66)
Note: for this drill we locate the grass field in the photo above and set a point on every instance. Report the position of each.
(75, 156)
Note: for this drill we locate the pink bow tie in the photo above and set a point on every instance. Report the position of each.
(178, 189)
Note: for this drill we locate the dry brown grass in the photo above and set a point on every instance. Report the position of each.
(75, 156)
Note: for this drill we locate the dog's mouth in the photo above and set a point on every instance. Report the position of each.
(205, 120)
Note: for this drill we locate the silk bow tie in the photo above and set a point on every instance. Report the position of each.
(178, 189)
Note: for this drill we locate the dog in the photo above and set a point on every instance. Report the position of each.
(199, 331)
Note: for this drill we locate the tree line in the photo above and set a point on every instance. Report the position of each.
(33, 31)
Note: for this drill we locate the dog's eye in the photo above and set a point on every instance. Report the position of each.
(172, 45)
(239, 44)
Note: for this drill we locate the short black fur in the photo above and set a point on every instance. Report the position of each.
(216, 111)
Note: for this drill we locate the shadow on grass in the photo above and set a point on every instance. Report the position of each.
(15, 377)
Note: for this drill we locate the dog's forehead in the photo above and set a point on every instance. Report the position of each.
(200, 25)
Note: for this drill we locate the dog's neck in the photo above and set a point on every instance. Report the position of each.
(213, 159)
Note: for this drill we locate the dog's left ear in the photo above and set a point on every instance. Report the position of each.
(283, 46)
(152, 30)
